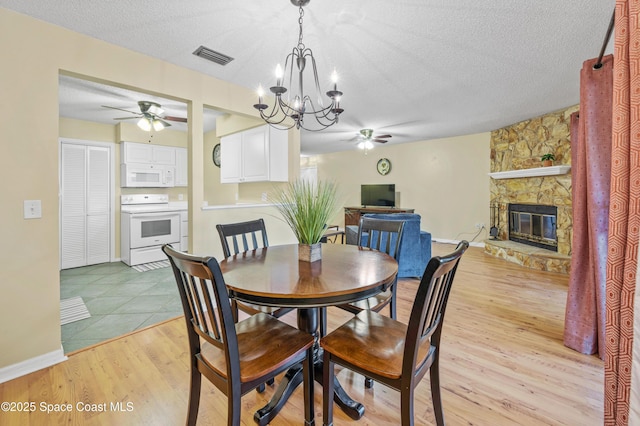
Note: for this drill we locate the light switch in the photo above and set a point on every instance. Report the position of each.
(32, 209)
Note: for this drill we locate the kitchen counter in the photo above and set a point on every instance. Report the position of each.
(237, 206)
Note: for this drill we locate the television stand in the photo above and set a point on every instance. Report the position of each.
(352, 214)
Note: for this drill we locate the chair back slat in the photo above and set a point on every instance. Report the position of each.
(205, 303)
(435, 304)
(198, 311)
(427, 314)
(383, 235)
(240, 233)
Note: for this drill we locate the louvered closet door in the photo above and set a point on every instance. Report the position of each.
(98, 205)
(85, 205)
(74, 189)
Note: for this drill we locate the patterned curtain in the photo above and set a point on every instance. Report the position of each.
(584, 325)
(624, 217)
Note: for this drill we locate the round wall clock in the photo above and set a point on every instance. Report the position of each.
(384, 166)
(216, 155)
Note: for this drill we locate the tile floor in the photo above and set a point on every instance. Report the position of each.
(119, 299)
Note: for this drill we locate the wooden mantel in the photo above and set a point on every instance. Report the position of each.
(535, 172)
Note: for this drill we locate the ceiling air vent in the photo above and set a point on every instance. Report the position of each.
(212, 55)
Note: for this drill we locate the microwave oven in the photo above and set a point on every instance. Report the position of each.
(134, 175)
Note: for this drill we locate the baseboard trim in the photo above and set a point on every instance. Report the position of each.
(39, 362)
(472, 244)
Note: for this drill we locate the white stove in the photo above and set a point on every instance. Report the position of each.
(147, 222)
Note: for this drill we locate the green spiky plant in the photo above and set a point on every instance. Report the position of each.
(307, 208)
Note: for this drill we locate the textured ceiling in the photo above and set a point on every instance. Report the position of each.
(415, 69)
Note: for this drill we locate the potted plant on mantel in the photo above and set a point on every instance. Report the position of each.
(547, 160)
(307, 208)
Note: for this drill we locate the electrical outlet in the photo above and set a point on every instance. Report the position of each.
(479, 225)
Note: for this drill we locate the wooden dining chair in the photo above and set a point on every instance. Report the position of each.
(391, 352)
(382, 235)
(385, 236)
(234, 357)
(245, 236)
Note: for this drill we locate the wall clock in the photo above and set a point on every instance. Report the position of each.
(216, 155)
(384, 166)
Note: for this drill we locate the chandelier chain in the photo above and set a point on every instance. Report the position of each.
(300, 43)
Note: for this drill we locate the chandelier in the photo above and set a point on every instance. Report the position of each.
(297, 104)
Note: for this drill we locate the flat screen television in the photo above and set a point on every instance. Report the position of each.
(378, 195)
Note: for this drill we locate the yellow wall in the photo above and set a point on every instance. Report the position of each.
(215, 193)
(34, 53)
(446, 181)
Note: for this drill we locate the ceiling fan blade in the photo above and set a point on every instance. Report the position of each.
(379, 140)
(178, 119)
(121, 109)
(382, 136)
(126, 118)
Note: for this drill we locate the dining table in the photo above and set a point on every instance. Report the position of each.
(274, 276)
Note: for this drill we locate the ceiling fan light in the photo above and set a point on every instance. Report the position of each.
(144, 124)
(158, 125)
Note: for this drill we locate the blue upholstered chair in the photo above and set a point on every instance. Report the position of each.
(415, 249)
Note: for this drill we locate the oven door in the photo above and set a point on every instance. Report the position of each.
(153, 229)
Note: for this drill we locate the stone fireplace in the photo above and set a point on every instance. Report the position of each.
(518, 179)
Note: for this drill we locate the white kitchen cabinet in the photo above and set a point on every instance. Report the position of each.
(142, 153)
(255, 155)
(182, 167)
(231, 158)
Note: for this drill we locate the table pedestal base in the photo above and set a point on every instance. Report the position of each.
(290, 382)
(308, 321)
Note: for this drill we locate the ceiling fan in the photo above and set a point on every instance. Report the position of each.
(366, 139)
(150, 116)
(367, 134)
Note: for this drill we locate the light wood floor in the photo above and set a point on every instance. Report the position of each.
(502, 363)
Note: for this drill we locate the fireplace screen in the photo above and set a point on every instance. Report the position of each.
(534, 225)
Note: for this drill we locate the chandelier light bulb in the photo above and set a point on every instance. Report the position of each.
(260, 93)
(279, 74)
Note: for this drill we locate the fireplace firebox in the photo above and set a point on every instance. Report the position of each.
(534, 224)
